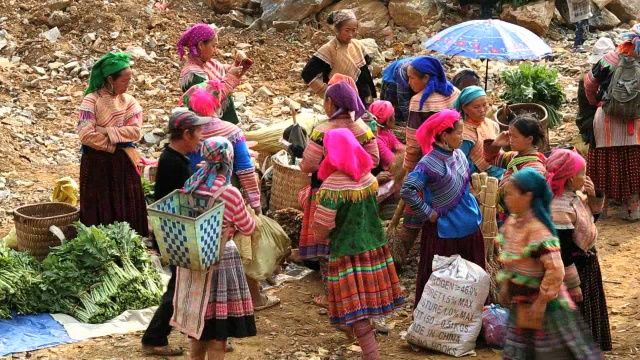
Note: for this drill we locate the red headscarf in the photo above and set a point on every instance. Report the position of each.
(562, 165)
(345, 154)
(382, 110)
(436, 124)
(336, 78)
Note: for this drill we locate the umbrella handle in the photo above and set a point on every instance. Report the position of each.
(486, 75)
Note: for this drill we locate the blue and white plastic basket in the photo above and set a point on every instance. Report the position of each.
(187, 237)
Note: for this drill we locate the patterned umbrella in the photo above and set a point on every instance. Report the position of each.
(489, 39)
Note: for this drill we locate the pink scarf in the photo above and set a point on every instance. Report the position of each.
(345, 154)
(435, 125)
(562, 165)
(382, 110)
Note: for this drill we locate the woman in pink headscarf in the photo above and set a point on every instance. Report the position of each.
(437, 190)
(201, 42)
(575, 207)
(388, 145)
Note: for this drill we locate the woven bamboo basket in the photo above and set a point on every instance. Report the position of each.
(536, 110)
(285, 186)
(33, 223)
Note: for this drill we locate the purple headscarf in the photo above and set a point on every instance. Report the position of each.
(346, 100)
(191, 38)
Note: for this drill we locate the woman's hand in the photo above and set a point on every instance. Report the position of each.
(502, 140)
(102, 130)
(238, 56)
(237, 71)
(589, 188)
(576, 294)
(537, 310)
(434, 217)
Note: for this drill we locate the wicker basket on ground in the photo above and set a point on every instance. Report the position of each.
(537, 111)
(33, 223)
(287, 182)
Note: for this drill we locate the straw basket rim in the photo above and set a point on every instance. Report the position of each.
(73, 210)
(286, 183)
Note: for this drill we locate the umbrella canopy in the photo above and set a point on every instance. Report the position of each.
(489, 39)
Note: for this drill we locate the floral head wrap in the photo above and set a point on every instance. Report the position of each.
(340, 16)
(344, 154)
(218, 155)
(530, 180)
(191, 38)
(634, 38)
(561, 165)
(203, 98)
(108, 65)
(435, 125)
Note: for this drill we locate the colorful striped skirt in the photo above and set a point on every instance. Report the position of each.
(594, 305)
(564, 336)
(229, 312)
(309, 248)
(615, 170)
(363, 286)
(470, 247)
(111, 190)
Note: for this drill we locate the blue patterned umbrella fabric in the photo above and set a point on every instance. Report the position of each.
(489, 39)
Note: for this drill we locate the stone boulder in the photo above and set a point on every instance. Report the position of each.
(372, 14)
(603, 19)
(625, 10)
(535, 16)
(225, 6)
(291, 10)
(372, 49)
(413, 14)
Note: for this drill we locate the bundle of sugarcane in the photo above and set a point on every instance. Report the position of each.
(486, 190)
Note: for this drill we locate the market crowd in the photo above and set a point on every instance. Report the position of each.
(548, 202)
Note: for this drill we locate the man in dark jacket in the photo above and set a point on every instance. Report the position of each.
(173, 171)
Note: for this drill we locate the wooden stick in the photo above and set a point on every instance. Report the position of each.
(397, 215)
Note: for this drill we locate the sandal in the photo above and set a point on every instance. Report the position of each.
(271, 302)
(318, 301)
(162, 350)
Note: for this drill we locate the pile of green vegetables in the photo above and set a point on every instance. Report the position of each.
(535, 84)
(148, 189)
(104, 271)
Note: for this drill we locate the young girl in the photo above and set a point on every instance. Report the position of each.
(573, 215)
(388, 145)
(542, 322)
(220, 295)
(362, 277)
(525, 136)
(438, 191)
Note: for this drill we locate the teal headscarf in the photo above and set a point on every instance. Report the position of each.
(108, 65)
(467, 95)
(530, 180)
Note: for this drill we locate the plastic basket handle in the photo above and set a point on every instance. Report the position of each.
(57, 232)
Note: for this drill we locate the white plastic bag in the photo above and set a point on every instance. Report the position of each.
(449, 316)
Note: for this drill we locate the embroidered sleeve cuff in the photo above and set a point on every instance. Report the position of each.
(571, 277)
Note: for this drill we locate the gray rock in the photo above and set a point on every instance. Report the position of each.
(55, 65)
(114, 35)
(52, 35)
(58, 5)
(152, 139)
(285, 25)
(59, 18)
(89, 38)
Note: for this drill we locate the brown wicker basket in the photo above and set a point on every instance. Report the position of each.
(286, 184)
(536, 110)
(33, 223)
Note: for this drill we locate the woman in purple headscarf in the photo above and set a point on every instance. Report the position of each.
(344, 108)
(201, 41)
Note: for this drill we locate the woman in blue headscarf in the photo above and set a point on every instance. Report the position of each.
(542, 320)
(473, 106)
(396, 89)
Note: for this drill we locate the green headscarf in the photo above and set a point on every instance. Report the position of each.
(108, 65)
(530, 180)
(467, 95)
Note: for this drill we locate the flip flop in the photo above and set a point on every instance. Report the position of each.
(271, 302)
(318, 301)
(162, 350)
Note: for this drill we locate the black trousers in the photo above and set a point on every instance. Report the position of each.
(157, 334)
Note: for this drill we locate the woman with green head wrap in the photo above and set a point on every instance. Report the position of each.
(473, 106)
(109, 125)
(542, 320)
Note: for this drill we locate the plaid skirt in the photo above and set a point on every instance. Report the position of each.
(111, 190)
(229, 312)
(363, 286)
(594, 305)
(615, 170)
(564, 336)
(309, 248)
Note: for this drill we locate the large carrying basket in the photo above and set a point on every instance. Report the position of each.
(33, 223)
(286, 184)
(188, 229)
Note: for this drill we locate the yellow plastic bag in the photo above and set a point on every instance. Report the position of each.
(66, 191)
(269, 249)
(11, 240)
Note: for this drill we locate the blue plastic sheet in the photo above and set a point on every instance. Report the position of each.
(31, 332)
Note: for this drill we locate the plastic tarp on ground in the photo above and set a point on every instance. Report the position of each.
(31, 332)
